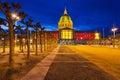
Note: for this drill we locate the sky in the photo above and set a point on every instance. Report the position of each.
(86, 14)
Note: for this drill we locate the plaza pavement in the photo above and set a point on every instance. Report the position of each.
(66, 66)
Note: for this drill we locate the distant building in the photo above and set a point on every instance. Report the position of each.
(67, 35)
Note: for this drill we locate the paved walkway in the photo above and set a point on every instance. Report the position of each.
(41, 69)
(66, 66)
(74, 67)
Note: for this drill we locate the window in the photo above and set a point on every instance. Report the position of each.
(97, 36)
(67, 34)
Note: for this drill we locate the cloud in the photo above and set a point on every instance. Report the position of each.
(4, 27)
(50, 27)
(83, 28)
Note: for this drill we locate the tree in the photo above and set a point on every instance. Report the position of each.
(2, 32)
(44, 35)
(19, 28)
(40, 34)
(19, 32)
(33, 39)
(7, 9)
(28, 24)
(37, 26)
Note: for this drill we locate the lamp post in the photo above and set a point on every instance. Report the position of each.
(114, 29)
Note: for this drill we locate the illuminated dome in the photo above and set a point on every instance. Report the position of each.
(65, 21)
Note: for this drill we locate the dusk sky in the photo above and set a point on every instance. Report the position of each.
(86, 14)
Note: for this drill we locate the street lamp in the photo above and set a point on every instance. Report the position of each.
(114, 29)
(15, 16)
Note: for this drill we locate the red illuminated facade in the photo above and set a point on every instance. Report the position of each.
(55, 35)
(84, 36)
(78, 35)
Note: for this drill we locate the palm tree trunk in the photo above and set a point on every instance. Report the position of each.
(44, 39)
(40, 41)
(20, 41)
(28, 43)
(22, 47)
(33, 41)
(36, 51)
(11, 43)
(48, 40)
(4, 42)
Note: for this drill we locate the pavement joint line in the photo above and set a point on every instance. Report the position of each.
(40, 70)
(65, 53)
(72, 61)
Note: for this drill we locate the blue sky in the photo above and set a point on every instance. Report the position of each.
(86, 14)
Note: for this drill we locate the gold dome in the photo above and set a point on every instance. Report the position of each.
(65, 21)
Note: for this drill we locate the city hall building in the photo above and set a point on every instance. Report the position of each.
(67, 35)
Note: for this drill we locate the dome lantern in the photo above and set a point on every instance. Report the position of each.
(65, 21)
(65, 12)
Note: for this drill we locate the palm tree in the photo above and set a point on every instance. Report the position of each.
(37, 26)
(44, 34)
(28, 24)
(7, 9)
(40, 38)
(4, 43)
(3, 33)
(46, 40)
(19, 32)
(21, 36)
(33, 39)
(41, 33)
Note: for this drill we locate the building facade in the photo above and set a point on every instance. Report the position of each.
(67, 35)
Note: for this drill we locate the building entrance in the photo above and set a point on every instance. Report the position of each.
(66, 41)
